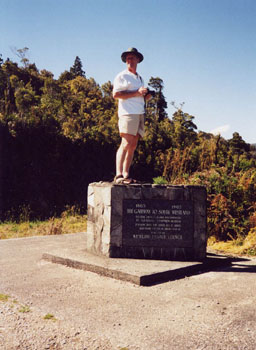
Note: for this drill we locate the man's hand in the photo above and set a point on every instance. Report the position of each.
(142, 91)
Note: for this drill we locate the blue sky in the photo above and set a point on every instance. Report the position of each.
(203, 50)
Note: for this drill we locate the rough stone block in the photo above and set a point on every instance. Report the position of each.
(147, 221)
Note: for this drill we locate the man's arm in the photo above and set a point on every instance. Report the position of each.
(141, 92)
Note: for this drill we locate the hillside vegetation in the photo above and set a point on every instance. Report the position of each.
(58, 135)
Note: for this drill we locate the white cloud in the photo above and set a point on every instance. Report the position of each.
(220, 130)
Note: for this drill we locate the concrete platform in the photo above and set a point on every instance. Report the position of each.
(138, 271)
(214, 310)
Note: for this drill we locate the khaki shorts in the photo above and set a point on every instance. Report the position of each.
(132, 124)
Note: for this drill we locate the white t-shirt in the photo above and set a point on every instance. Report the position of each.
(130, 82)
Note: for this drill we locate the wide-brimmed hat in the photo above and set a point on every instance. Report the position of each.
(134, 51)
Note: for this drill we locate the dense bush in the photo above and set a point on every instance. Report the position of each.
(231, 201)
(57, 136)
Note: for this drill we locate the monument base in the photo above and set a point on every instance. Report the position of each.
(147, 221)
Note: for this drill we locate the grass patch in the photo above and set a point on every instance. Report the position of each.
(69, 222)
(50, 317)
(160, 180)
(4, 297)
(239, 246)
(24, 309)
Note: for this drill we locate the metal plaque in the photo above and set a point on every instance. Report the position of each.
(158, 223)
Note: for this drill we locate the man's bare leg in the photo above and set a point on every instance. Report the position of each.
(125, 154)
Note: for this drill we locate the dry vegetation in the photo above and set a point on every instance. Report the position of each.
(67, 223)
(239, 246)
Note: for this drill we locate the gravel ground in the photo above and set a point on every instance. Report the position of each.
(213, 311)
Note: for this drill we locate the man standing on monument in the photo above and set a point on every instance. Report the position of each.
(131, 94)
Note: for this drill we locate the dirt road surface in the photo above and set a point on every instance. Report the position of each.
(50, 306)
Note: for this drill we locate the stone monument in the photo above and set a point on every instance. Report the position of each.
(147, 221)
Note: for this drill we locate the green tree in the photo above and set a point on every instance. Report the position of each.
(25, 98)
(152, 150)
(65, 76)
(77, 69)
(51, 102)
(7, 99)
(157, 105)
(237, 144)
(2, 85)
(184, 128)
